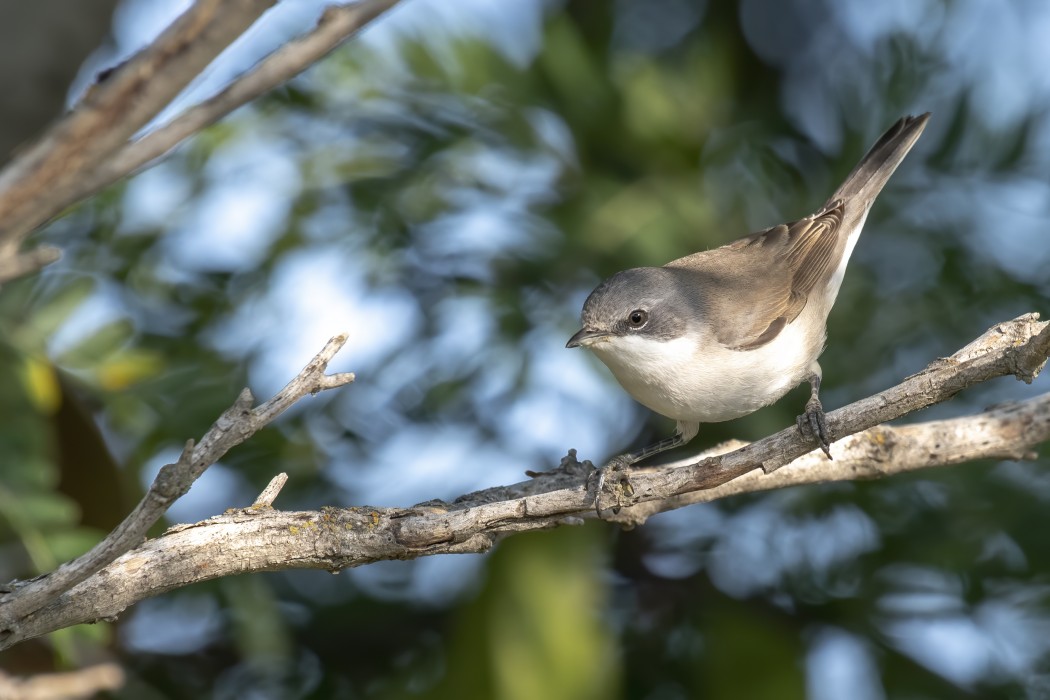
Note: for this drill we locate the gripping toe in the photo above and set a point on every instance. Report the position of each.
(813, 423)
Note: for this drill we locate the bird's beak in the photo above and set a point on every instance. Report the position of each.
(584, 337)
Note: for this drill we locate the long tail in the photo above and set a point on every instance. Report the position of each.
(874, 169)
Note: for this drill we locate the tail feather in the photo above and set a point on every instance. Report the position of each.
(875, 168)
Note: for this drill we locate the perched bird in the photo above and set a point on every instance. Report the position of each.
(719, 334)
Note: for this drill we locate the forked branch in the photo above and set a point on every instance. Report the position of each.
(234, 426)
(259, 538)
(98, 142)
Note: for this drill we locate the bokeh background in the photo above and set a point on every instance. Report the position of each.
(448, 189)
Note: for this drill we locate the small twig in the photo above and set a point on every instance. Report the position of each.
(234, 426)
(266, 498)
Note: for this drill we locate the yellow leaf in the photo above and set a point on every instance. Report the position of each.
(41, 384)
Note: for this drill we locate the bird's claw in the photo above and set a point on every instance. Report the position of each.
(617, 466)
(814, 423)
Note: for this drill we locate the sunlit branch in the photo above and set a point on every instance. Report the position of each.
(234, 426)
(338, 24)
(43, 180)
(260, 538)
(92, 147)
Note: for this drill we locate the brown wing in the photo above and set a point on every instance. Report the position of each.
(791, 260)
(760, 283)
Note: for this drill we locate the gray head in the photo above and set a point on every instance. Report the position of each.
(642, 301)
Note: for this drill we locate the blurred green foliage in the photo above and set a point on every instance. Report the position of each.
(479, 198)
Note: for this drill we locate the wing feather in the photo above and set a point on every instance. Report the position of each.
(790, 259)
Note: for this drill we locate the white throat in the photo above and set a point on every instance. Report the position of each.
(694, 379)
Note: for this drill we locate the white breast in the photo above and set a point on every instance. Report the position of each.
(694, 379)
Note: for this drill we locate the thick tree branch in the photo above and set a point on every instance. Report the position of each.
(233, 427)
(91, 147)
(337, 24)
(262, 539)
(39, 184)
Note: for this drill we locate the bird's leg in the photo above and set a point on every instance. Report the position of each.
(676, 440)
(622, 463)
(813, 423)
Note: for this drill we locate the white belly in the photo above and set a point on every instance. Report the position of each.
(703, 382)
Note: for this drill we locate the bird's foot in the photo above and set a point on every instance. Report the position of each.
(616, 474)
(814, 424)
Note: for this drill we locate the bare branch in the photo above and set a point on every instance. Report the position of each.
(336, 538)
(1008, 431)
(1019, 347)
(90, 148)
(234, 426)
(43, 180)
(337, 24)
(263, 539)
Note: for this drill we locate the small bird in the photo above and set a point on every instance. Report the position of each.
(719, 334)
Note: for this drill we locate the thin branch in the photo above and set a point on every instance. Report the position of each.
(1005, 432)
(337, 25)
(42, 182)
(263, 539)
(234, 426)
(266, 498)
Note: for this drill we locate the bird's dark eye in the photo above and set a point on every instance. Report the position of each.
(638, 318)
